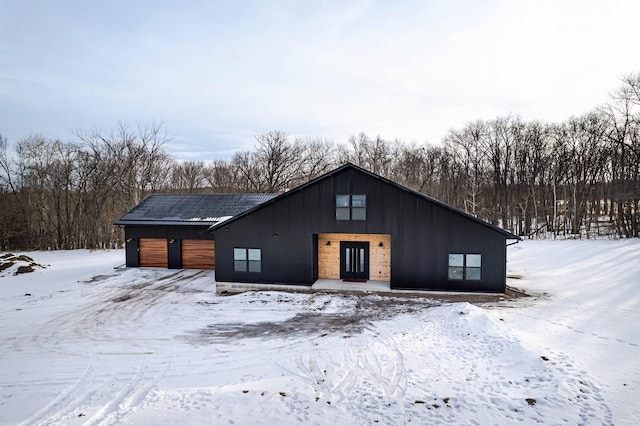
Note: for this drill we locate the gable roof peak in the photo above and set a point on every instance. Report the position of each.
(349, 165)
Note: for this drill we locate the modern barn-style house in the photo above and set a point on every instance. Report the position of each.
(348, 224)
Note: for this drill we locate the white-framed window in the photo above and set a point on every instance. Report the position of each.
(465, 267)
(247, 260)
(351, 207)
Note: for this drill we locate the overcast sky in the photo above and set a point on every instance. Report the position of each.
(216, 73)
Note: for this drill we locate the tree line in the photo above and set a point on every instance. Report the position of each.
(578, 178)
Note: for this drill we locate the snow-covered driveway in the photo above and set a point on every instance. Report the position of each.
(84, 343)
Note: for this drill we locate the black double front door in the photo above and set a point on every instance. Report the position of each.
(354, 260)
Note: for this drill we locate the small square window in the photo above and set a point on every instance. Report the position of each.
(351, 207)
(465, 267)
(247, 260)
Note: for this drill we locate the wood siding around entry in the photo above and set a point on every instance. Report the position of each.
(379, 257)
(153, 252)
(198, 254)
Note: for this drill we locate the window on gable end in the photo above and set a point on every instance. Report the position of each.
(351, 207)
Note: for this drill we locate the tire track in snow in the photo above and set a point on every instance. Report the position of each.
(104, 401)
(97, 323)
(127, 399)
(116, 307)
(63, 399)
(71, 399)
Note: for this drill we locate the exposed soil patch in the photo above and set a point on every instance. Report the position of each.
(359, 317)
(6, 265)
(123, 298)
(17, 263)
(476, 298)
(99, 278)
(23, 269)
(300, 324)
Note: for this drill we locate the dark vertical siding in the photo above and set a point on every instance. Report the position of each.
(279, 262)
(423, 234)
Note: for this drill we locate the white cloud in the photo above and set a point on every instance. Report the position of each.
(219, 73)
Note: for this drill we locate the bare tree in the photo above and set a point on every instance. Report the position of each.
(318, 157)
(623, 135)
(139, 161)
(13, 230)
(223, 177)
(279, 160)
(502, 134)
(410, 167)
(188, 176)
(275, 166)
(122, 168)
(374, 155)
(537, 142)
(467, 146)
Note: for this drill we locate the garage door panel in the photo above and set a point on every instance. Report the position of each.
(153, 252)
(198, 254)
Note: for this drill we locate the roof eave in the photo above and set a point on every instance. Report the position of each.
(160, 222)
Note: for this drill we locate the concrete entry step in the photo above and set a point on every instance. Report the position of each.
(340, 285)
(319, 285)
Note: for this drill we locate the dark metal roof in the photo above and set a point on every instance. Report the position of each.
(191, 209)
(508, 235)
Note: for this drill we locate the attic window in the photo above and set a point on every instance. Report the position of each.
(351, 207)
(465, 267)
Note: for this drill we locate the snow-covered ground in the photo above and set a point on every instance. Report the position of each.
(84, 343)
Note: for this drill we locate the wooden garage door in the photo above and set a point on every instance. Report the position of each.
(198, 254)
(153, 252)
